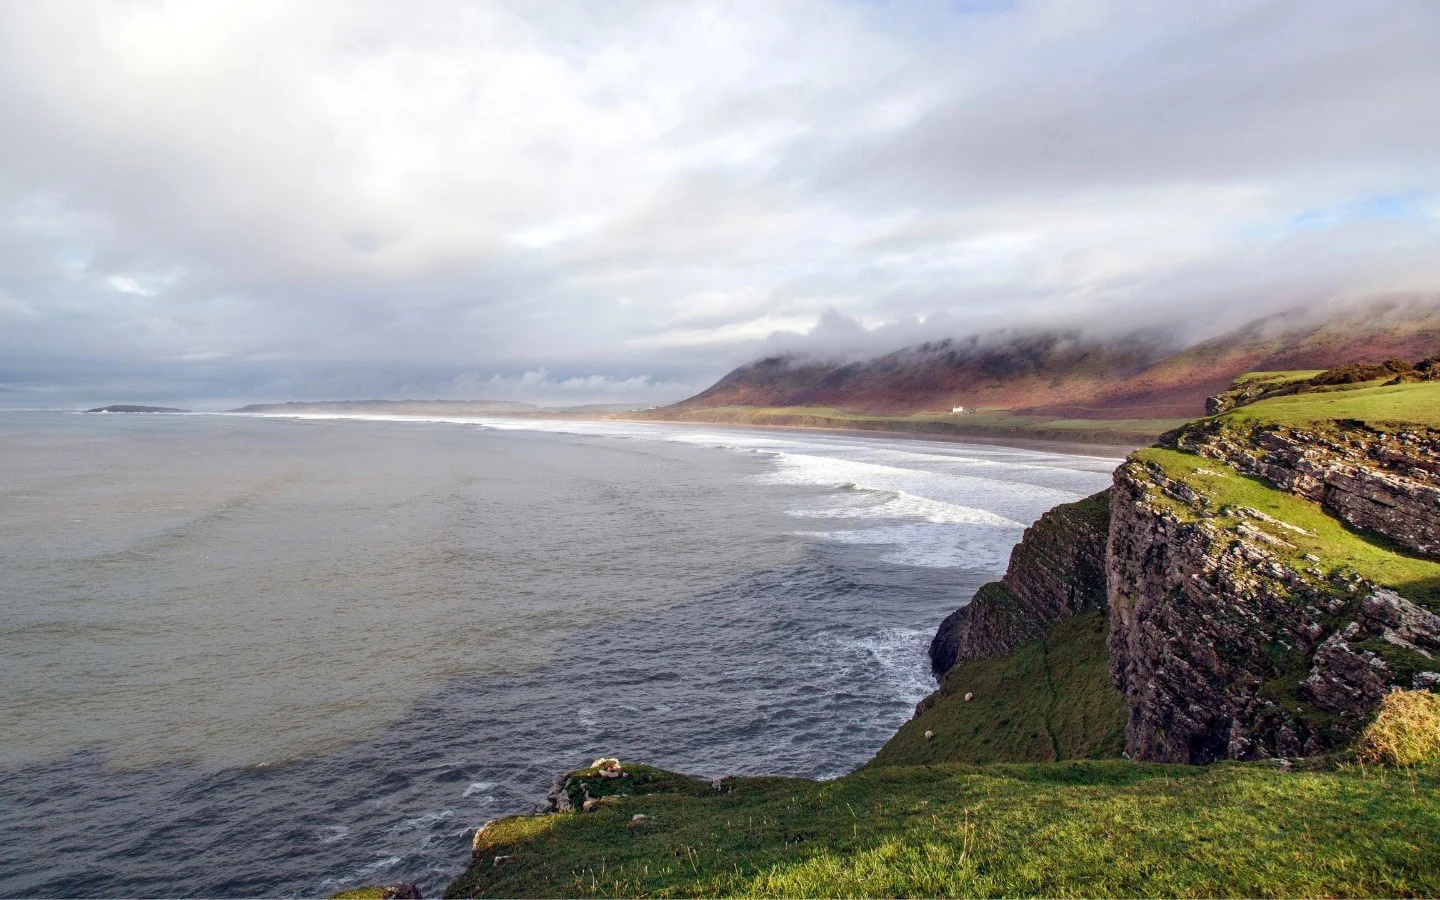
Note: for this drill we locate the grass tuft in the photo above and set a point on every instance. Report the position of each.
(1406, 732)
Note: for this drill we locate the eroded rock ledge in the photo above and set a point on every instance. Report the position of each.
(1384, 481)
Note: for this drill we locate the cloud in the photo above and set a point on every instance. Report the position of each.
(664, 189)
(554, 389)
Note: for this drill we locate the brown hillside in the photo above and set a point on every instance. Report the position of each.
(1063, 374)
(1178, 385)
(1000, 372)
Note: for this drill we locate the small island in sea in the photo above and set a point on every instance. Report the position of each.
(132, 408)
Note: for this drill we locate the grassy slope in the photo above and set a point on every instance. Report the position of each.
(1084, 828)
(981, 424)
(1050, 700)
(1416, 404)
(1285, 376)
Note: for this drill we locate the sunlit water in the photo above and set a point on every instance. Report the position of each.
(262, 656)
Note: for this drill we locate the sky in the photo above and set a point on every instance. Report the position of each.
(213, 203)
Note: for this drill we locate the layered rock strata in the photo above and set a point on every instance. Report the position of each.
(1388, 482)
(1225, 649)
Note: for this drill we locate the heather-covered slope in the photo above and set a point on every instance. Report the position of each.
(1009, 371)
(1055, 375)
(1179, 384)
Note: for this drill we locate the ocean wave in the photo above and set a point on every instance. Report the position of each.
(930, 546)
(882, 504)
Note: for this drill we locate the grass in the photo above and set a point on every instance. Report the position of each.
(994, 423)
(1109, 828)
(1050, 700)
(1375, 404)
(1339, 547)
(1279, 377)
(1406, 732)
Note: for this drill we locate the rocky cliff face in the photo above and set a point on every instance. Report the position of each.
(1387, 482)
(1057, 570)
(1227, 644)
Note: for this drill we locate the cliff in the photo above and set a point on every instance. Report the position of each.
(1370, 477)
(1269, 585)
(1057, 570)
(1268, 577)
(1241, 627)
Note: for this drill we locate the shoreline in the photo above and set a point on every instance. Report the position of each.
(1117, 450)
(1100, 450)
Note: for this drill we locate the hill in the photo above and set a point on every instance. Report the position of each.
(1000, 370)
(1179, 384)
(1066, 375)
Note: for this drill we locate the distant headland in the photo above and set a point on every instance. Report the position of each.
(130, 408)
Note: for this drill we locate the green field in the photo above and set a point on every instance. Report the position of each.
(1108, 828)
(1281, 377)
(1374, 404)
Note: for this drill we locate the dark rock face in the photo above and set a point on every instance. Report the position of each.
(1385, 482)
(1226, 651)
(1057, 570)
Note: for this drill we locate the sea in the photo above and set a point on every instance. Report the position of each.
(286, 655)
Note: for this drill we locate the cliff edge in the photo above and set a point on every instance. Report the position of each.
(1056, 570)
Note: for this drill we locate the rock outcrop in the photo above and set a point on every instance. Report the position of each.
(1226, 648)
(1057, 570)
(1387, 482)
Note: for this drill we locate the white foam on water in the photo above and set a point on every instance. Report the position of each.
(376, 866)
(332, 833)
(899, 657)
(903, 505)
(928, 546)
(478, 787)
(428, 820)
(935, 504)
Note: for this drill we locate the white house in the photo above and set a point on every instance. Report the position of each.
(957, 409)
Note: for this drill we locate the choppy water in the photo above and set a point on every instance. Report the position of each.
(263, 656)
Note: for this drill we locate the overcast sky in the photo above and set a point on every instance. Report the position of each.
(579, 202)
